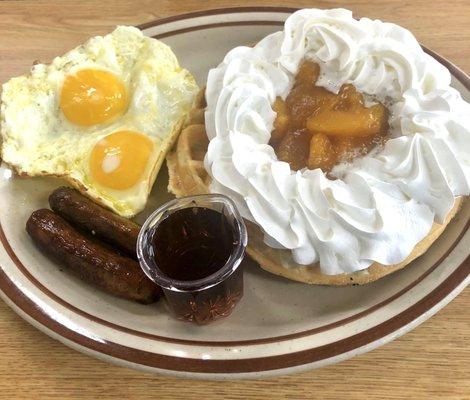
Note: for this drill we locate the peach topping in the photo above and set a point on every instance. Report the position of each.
(315, 128)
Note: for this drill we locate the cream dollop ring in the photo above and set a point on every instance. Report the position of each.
(381, 205)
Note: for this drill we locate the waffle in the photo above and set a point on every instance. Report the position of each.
(187, 176)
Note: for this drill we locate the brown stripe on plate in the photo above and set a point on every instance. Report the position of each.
(218, 11)
(217, 25)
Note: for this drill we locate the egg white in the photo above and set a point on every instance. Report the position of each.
(38, 140)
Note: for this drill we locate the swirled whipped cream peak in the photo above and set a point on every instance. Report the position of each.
(373, 209)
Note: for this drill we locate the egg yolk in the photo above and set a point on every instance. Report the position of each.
(92, 96)
(119, 160)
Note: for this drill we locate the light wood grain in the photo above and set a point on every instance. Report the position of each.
(430, 362)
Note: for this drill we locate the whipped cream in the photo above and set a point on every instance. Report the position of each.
(379, 206)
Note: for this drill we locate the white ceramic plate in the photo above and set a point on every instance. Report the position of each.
(280, 326)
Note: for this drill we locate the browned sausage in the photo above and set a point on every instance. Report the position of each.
(89, 216)
(118, 275)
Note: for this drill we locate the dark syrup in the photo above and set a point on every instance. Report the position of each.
(193, 243)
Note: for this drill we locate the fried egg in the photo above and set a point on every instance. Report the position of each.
(102, 116)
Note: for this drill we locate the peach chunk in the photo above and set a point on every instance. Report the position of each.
(348, 97)
(304, 100)
(294, 149)
(321, 154)
(281, 123)
(308, 73)
(356, 122)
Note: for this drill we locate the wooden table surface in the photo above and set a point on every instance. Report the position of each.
(433, 361)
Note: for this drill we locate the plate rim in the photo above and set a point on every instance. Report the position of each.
(450, 287)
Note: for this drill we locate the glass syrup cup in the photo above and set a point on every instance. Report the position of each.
(212, 297)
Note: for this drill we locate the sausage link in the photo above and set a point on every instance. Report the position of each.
(89, 216)
(115, 274)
